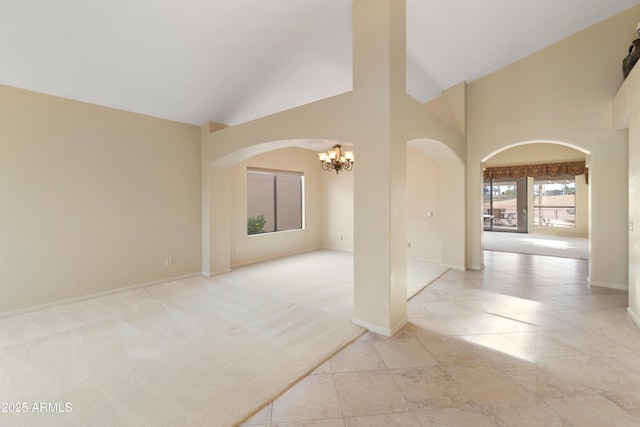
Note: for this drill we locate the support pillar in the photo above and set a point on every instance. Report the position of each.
(380, 251)
(216, 219)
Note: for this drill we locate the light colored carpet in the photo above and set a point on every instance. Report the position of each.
(537, 244)
(191, 352)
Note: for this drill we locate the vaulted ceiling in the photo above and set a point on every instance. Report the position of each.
(231, 61)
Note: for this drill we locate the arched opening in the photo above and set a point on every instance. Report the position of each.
(607, 189)
(549, 211)
(435, 211)
(326, 205)
(523, 143)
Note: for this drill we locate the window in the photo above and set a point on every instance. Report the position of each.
(554, 201)
(274, 200)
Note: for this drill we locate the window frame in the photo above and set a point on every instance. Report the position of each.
(275, 173)
(540, 220)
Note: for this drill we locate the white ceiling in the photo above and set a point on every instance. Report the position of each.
(231, 61)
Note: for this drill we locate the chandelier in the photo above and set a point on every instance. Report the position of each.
(336, 160)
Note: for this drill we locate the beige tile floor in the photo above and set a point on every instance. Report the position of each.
(525, 342)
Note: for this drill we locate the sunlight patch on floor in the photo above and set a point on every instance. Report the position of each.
(557, 244)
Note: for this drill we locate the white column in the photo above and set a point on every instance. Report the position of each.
(380, 258)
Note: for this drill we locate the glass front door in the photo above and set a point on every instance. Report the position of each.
(505, 205)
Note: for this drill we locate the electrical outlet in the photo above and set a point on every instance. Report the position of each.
(168, 262)
(341, 238)
(408, 244)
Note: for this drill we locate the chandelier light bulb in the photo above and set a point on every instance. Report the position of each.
(336, 160)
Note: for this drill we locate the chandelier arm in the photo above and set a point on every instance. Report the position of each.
(336, 160)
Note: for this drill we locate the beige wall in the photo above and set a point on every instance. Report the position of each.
(92, 199)
(424, 194)
(549, 153)
(337, 209)
(626, 113)
(529, 154)
(246, 249)
(633, 89)
(562, 93)
(446, 200)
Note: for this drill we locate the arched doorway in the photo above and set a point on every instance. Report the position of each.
(553, 206)
(579, 221)
(227, 243)
(435, 204)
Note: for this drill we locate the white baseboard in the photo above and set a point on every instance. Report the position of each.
(633, 316)
(380, 330)
(618, 286)
(476, 267)
(433, 261)
(272, 257)
(92, 296)
(454, 267)
(335, 248)
(215, 273)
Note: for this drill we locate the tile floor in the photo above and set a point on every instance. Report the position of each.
(525, 342)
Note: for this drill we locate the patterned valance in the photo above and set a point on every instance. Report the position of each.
(546, 169)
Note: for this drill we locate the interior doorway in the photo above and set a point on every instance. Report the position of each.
(505, 205)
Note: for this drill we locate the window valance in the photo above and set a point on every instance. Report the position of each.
(545, 169)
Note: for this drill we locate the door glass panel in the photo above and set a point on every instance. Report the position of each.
(505, 205)
(486, 205)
